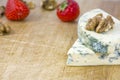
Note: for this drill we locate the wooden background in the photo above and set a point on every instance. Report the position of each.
(36, 49)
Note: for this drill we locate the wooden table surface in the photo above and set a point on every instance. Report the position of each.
(36, 49)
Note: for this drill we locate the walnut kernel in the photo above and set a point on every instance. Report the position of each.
(49, 4)
(2, 11)
(93, 22)
(4, 28)
(100, 24)
(30, 5)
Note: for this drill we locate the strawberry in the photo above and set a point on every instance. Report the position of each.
(68, 10)
(16, 10)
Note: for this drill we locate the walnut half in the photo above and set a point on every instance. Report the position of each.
(2, 11)
(4, 28)
(93, 22)
(105, 25)
(100, 24)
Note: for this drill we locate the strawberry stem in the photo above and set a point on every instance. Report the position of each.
(63, 5)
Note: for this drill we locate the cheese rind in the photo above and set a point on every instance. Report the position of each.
(104, 43)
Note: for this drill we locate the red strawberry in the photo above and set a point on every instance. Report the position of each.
(68, 10)
(16, 10)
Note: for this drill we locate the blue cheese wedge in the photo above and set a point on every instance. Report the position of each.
(103, 43)
(79, 49)
(80, 55)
